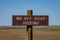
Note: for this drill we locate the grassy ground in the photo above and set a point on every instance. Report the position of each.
(46, 34)
(38, 34)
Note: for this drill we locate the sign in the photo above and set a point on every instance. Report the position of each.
(23, 20)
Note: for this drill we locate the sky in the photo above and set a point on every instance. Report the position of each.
(39, 7)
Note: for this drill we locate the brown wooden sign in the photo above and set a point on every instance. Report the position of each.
(23, 20)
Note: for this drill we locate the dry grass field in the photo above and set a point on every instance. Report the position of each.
(49, 33)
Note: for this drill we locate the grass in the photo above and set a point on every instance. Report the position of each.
(49, 33)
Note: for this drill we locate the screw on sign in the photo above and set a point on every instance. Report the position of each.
(30, 20)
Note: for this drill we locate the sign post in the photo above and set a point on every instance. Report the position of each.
(30, 20)
(29, 27)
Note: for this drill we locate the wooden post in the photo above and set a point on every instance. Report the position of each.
(29, 27)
